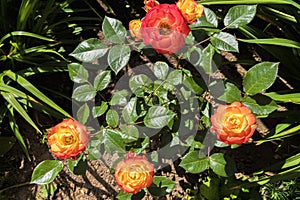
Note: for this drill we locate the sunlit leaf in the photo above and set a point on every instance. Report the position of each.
(225, 41)
(84, 93)
(46, 171)
(102, 80)
(239, 15)
(260, 77)
(77, 73)
(118, 57)
(158, 117)
(113, 30)
(89, 50)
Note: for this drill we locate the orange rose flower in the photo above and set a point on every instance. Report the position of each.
(134, 173)
(234, 123)
(68, 139)
(190, 9)
(135, 29)
(165, 28)
(150, 4)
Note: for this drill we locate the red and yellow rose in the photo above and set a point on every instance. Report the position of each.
(165, 28)
(68, 139)
(190, 9)
(134, 173)
(233, 123)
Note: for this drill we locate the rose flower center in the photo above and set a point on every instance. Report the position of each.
(68, 140)
(164, 28)
(234, 122)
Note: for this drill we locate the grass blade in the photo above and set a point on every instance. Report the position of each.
(17, 106)
(32, 89)
(274, 41)
(15, 128)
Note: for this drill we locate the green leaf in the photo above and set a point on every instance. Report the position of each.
(158, 117)
(83, 113)
(274, 41)
(112, 118)
(192, 163)
(260, 105)
(191, 84)
(160, 70)
(232, 93)
(46, 171)
(6, 143)
(292, 161)
(285, 98)
(161, 186)
(217, 163)
(163, 181)
(208, 20)
(78, 166)
(260, 77)
(113, 30)
(129, 113)
(239, 15)
(139, 83)
(210, 188)
(175, 77)
(102, 80)
(113, 142)
(145, 145)
(206, 59)
(118, 57)
(124, 196)
(99, 110)
(89, 50)
(84, 93)
(77, 73)
(129, 133)
(119, 98)
(225, 41)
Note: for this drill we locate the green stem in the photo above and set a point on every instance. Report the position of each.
(15, 186)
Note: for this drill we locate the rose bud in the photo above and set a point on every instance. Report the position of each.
(190, 9)
(135, 29)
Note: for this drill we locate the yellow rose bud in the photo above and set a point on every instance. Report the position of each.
(190, 10)
(135, 29)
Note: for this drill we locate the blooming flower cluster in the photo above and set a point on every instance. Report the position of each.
(233, 123)
(165, 26)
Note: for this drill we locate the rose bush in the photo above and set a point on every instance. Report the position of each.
(134, 173)
(68, 139)
(233, 123)
(165, 28)
(190, 9)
